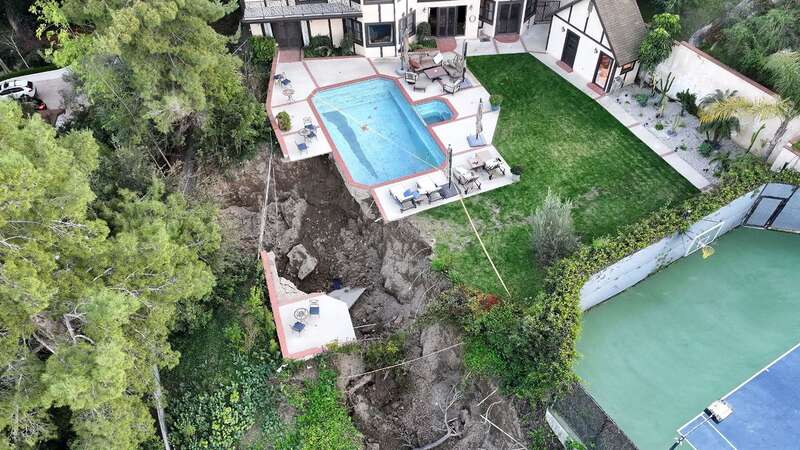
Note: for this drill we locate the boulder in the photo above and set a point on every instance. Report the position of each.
(301, 262)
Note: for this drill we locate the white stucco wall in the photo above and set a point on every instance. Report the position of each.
(638, 266)
(589, 46)
(787, 158)
(702, 74)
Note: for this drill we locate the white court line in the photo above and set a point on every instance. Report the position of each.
(722, 435)
(690, 421)
(762, 370)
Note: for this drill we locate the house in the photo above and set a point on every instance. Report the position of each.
(599, 40)
(377, 25)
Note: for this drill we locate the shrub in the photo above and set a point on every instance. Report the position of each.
(706, 148)
(284, 121)
(347, 44)
(318, 46)
(321, 420)
(385, 352)
(262, 49)
(423, 31)
(552, 229)
(657, 44)
(642, 99)
(688, 102)
(496, 100)
(659, 126)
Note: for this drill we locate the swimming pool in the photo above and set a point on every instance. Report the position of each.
(376, 131)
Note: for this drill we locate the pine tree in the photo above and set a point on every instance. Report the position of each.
(89, 290)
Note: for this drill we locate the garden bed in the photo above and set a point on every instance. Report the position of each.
(681, 135)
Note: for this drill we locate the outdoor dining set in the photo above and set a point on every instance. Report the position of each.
(304, 315)
(422, 70)
(306, 134)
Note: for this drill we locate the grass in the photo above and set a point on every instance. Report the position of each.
(564, 140)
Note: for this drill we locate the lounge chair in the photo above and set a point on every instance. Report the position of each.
(427, 186)
(438, 59)
(411, 77)
(420, 62)
(407, 198)
(467, 177)
(422, 84)
(313, 308)
(298, 326)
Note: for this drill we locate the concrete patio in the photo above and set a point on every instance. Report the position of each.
(310, 75)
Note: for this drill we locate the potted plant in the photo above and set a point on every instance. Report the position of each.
(284, 121)
(496, 100)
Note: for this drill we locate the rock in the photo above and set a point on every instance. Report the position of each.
(301, 262)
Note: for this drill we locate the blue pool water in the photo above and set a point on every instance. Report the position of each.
(379, 135)
(434, 111)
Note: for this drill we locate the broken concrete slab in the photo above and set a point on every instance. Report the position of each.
(348, 295)
(301, 262)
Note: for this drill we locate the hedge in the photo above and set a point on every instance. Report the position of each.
(30, 71)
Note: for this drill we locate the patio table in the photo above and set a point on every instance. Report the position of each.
(301, 314)
(435, 73)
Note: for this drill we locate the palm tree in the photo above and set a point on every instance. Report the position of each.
(784, 67)
(718, 127)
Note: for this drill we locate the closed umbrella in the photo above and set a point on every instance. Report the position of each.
(404, 51)
(479, 120)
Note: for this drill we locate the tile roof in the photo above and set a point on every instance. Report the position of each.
(268, 10)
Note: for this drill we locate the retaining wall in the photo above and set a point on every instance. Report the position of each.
(638, 266)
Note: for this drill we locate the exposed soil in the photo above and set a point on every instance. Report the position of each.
(398, 408)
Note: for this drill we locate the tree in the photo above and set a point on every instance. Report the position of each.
(657, 44)
(552, 229)
(89, 290)
(156, 72)
(721, 127)
(784, 68)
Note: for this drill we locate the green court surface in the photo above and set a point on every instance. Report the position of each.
(657, 354)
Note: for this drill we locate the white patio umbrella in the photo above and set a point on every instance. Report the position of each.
(479, 120)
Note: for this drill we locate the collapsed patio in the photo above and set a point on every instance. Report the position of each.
(309, 76)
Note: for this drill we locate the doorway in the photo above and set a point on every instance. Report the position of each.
(603, 70)
(570, 48)
(508, 15)
(288, 34)
(449, 21)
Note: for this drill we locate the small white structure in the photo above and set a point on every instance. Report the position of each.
(599, 40)
(305, 323)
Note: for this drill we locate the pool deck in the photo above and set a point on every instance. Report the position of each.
(310, 75)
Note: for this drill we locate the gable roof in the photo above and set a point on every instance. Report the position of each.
(623, 24)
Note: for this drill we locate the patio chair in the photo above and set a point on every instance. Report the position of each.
(438, 59)
(313, 309)
(484, 160)
(407, 198)
(422, 84)
(411, 77)
(451, 87)
(301, 144)
(467, 177)
(428, 187)
(298, 327)
(455, 67)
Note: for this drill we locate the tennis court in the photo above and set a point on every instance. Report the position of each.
(662, 351)
(764, 412)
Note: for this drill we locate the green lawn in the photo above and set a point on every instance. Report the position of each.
(563, 140)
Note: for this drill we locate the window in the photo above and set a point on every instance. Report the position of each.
(627, 68)
(380, 34)
(353, 26)
(487, 11)
(530, 9)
